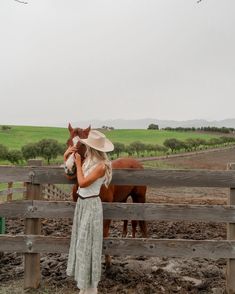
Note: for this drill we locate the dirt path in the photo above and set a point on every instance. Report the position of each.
(217, 160)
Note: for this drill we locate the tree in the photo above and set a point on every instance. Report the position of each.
(173, 144)
(5, 128)
(160, 148)
(227, 140)
(118, 148)
(150, 147)
(153, 127)
(3, 152)
(193, 143)
(14, 156)
(30, 150)
(138, 147)
(129, 149)
(49, 148)
(215, 141)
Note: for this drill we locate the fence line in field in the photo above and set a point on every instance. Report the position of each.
(32, 243)
(49, 191)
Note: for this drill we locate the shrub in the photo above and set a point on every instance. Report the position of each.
(30, 150)
(153, 127)
(3, 152)
(137, 146)
(49, 148)
(15, 156)
(5, 128)
(118, 148)
(173, 144)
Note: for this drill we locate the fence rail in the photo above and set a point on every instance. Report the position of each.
(32, 243)
(152, 177)
(119, 211)
(212, 249)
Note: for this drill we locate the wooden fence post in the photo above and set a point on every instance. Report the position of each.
(24, 190)
(230, 281)
(32, 272)
(9, 192)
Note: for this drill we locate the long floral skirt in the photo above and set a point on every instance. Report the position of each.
(84, 260)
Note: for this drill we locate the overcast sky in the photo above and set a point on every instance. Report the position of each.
(76, 60)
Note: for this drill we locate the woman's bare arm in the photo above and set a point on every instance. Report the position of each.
(96, 173)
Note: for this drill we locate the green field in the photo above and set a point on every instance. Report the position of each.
(18, 136)
(152, 136)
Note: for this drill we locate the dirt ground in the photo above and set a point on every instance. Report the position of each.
(210, 160)
(132, 274)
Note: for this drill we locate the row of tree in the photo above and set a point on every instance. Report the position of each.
(5, 128)
(172, 144)
(224, 130)
(46, 148)
(194, 144)
(50, 148)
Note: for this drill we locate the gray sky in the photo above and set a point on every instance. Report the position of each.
(76, 60)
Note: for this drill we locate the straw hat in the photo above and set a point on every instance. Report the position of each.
(98, 141)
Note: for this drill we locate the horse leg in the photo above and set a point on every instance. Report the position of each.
(108, 258)
(139, 196)
(124, 231)
(134, 226)
(125, 223)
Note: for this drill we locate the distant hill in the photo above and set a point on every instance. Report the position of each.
(143, 123)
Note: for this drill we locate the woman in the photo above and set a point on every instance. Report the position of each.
(84, 261)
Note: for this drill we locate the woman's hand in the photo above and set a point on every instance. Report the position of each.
(78, 160)
(70, 150)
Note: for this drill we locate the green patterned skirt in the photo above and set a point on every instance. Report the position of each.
(84, 260)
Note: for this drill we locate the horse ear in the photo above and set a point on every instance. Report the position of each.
(87, 130)
(70, 128)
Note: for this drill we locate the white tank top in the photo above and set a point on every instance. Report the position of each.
(94, 188)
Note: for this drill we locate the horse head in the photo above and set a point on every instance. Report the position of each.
(75, 135)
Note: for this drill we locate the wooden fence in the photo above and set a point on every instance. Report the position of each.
(49, 192)
(32, 243)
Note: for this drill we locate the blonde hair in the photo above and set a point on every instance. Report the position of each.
(93, 156)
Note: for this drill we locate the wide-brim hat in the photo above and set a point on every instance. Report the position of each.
(98, 141)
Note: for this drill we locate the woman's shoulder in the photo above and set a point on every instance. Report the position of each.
(98, 165)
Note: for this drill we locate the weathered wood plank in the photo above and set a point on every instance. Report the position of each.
(14, 174)
(169, 212)
(212, 249)
(120, 211)
(174, 178)
(9, 194)
(152, 177)
(32, 272)
(16, 209)
(230, 281)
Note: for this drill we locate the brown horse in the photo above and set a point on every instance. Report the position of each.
(114, 193)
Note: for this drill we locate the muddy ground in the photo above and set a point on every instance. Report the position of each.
(132, 274)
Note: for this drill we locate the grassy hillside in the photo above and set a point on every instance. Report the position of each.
(152, 136)
(18, 136)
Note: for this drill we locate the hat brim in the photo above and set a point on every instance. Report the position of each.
(107, 147)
